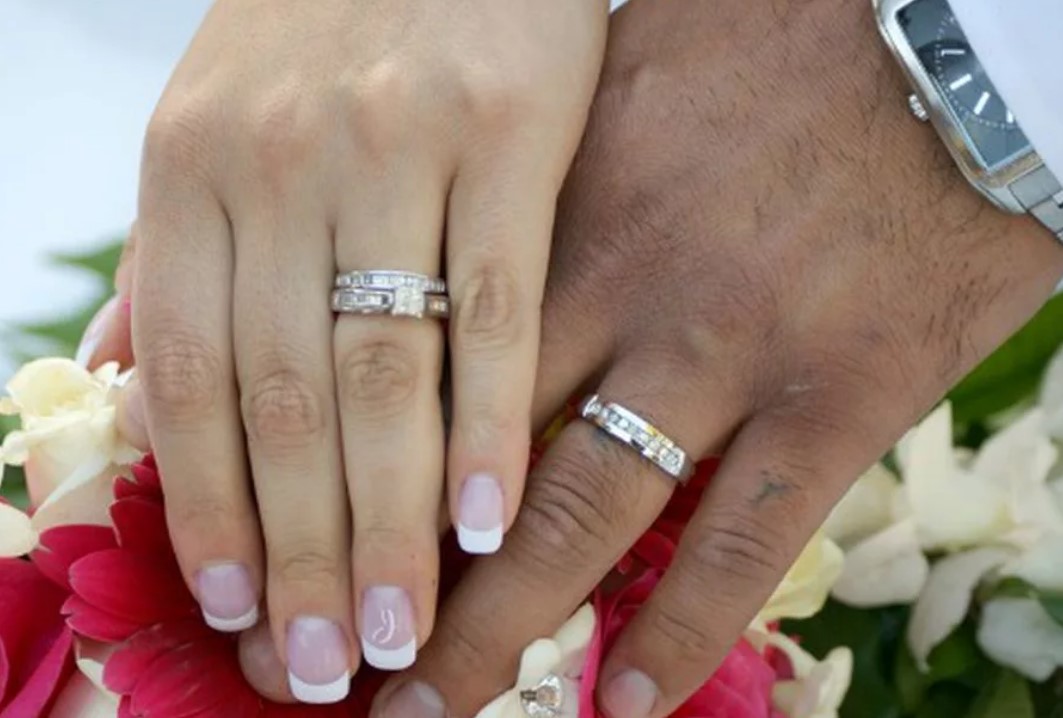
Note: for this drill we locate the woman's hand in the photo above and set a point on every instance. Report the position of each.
(304, 455)
(763, 253)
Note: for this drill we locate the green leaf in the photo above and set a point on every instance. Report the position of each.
(1048, 697)
(1006, 696)
(101, 262)
(1013, 373)
(1053, 605)
(873, 636)
(946, 700)
(958, 658)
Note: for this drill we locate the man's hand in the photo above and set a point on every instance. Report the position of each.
(764, 255)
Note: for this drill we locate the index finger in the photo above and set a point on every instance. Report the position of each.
(588, 501)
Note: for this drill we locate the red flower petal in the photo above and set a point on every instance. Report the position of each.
(95, 623)
(62, 546)
(132, 586)
(189, 680)
(48, 672)
(35, 644)
(140, 524)
(130, 662)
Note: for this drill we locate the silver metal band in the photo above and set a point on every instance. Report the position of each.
(390, 279)
(1041, 194)
(401, 302)
(633, 431)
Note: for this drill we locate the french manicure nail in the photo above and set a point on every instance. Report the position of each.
(481, 513)
(389, 635)
(318, 661)
(414, 700)
(95, 332)
(227, 597)
(632, 694)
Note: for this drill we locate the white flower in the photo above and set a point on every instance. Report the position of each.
(947, 596)
(807, 584)
(886, 568)
(68, 435)
(84, 695)
(1052, 397)
(1017, 632)
(818, 687)
(17, 535)
(562, 656)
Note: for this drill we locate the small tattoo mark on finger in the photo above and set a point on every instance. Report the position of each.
(771, 486)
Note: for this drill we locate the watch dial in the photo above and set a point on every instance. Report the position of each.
(988, 126)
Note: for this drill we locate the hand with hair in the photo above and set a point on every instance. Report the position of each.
(761, 253)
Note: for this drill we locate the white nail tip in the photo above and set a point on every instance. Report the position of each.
(480, 543)
(232, 625)
(397, 659)
(320, 695)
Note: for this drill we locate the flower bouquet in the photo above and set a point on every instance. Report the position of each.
(944, 563)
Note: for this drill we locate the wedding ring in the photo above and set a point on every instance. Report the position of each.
(401, 302)
(633, 431)
(385, 279)
(390, 293)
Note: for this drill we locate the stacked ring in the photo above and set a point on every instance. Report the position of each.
(391, 293)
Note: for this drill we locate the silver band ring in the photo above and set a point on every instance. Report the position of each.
(401, 302)
(386, 279)
(633, 431)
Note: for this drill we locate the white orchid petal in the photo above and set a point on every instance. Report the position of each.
(17, 536)
(1052, 397)
(807, 584)
(1018, 633)
(887, 568)
(947, 598)
(866, 508)
(1040, 565)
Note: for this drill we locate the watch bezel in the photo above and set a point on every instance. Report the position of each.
(992, 183)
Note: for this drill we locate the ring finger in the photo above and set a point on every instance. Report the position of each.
(388, 370)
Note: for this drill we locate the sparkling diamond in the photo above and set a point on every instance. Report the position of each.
(545, 700)
(409, 302)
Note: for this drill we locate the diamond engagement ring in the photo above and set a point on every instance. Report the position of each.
(633, 431)
(390, 293)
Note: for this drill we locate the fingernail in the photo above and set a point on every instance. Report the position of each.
(318, 661)
(227, 597)
(95, 332)
(414, 700)
(632, 694)
(389, 636)
(481, 513)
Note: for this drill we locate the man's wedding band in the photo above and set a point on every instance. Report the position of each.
(636, 433)
(391, 293)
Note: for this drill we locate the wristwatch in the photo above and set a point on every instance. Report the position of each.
(953, 91)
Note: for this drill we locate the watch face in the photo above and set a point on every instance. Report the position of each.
(988, 126)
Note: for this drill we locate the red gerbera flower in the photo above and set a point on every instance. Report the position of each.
(126, 589)
(35, 643)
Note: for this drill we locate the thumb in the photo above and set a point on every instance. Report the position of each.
(131, 420)
(109, 334)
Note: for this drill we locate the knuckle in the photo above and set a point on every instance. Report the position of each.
(182, 377)
(737, 548)
(494, 98)
(567, 515)
(178, 137)
(281, 409)
(283, 131)
(688, 639)
(377, 109)
(201, 515)
(309, 563)
(378, 379)
(489, 315)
